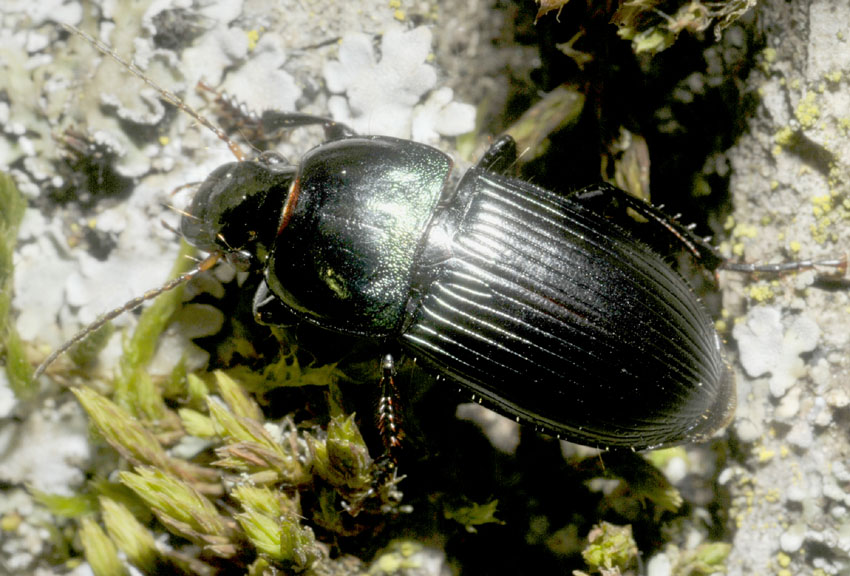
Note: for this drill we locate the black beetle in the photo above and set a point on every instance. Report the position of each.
(533, 301)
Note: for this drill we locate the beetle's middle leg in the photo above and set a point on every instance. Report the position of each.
(274, 121)
(500, 157)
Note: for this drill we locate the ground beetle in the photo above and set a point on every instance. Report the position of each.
(533, 301)
(536, 302)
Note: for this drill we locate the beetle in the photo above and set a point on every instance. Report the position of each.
(536, 302)
(533, 301)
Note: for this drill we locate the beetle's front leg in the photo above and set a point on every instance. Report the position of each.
(269, 310)
(273, 121)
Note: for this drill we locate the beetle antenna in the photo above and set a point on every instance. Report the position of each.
(180, 211)
(185, 186)
(171, 229)
(165, 94)
(203, 266)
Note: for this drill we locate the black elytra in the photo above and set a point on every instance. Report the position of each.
(531, 300)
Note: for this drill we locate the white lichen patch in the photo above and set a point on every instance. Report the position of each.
(261, 83)
(380, 92)
(766, 347)
(55, 453)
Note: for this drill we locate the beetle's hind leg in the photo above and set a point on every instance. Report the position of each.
(501, 158)
(830, 271)
(601, 197)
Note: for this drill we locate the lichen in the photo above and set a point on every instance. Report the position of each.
(381, 95)
(807, 111)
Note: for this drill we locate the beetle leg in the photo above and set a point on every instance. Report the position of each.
(165, 95)
(269, 309)
(500, 157)
(599, 197)
(388, 416)
(274, 121)
(830, 272)
(385, 468)
(235, 114)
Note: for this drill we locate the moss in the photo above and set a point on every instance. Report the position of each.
(130, 536)
(87, 351)
(270, 460)
(474, 514)
(341, 457)
(134, 389)
(12, 350)
(400, 557)
(272, 524)
(183, 509)
(558, 109)
(660, 458)
(185, 497)
(709, 558)
(64, 506)
(610, 547)
(651, 30)
(101, 553)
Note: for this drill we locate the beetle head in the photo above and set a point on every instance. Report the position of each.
(236, 210)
